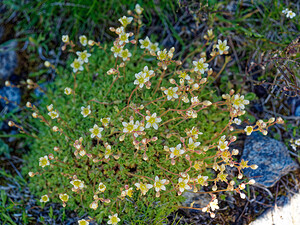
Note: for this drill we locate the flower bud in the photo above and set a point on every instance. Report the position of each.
(55, 128)
(252, 181)
(7, 83)
(254, 166)
(47, 64)
(11, 123)
(240, 176)
(172, 81)
(235, 152)
(214, 188)
(31, 174)
(56, 149)
(28, 105)
(206, 103)
(34, 115)
(242, 195)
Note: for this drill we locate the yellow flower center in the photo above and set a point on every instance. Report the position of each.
(105, 121)
(83, 55)
(86, 111)
(158, 184)
(123, 37)
(222, 47)
(44, 198)
(146, 43)
(130, 193)
(200, 65)
(141, 80)
(124, 54)
(76, 65)
(176, 152)
(114, 220)
(44, 162)
(76, 183)
(130, 127)
(96, 131)
(182, 184)
(64, 198)
(151, 120)
(170, 92)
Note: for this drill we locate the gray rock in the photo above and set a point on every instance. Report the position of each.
(270, 155)
(197, 200)
(8, 59)
(13, 94)
(297, 111)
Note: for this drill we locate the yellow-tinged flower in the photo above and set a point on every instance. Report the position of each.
(65, 38)
(105, 121)
(107, 151)
(68, 91)
(128, 192)
(200, 66)
(152, 121)
(86, 111)
(222, 46)
(44, 161)
(53, 114)
(83, 222)
(83, 40)
(129, 127)
(202, 180)
(162, 55)
(143, 187)
(159, 184)
(78, 184)
(223, 145)
(192, 145)
(125, 54)
(184, 75)
(113, 219)
(198, 165)
(145, 44)
(77, 65)
(94, 205)
(171, 93)
(138, 9)
(83, 56)
(248, 130)
(182, 184)
(96, 131)
(237, 121)
(194, 132)
(64, 197)
(139, 127)
(177, 151)
(101, 187)
(44, 198)
(125, 20)
(116, 50)
(141, 79)
(154, 47)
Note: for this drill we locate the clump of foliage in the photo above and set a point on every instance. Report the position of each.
(130, 129)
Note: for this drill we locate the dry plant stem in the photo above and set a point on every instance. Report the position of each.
(160, 80)
(137, 87)
(74, 88)
(112, 85)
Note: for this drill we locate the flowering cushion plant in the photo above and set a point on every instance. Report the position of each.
(125, 129)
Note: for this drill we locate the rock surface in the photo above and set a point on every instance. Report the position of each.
(271, 157)
(8, 59)
(288, 214)
(13, 94)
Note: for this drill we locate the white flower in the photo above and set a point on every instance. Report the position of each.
(96, 131)
(102, 187)
(77, 65)
(86, 111)
(285, 11)
(65, 38)
(237, 121)
(107, 151)
(44, 198)
(123, 38)
(171, 92)
(113, 219)
(148, 72)
(116, 50)
(83, 222)
(222, 46)
(248, 130)
(64, 197)
(290, 14)
(83, 40)
(297, 142)
(202, 180)
(184, 75)
(77, 184)
(152, 121)
(50, 107)
(138, 9)
(239, 101)
(125, 54)
(177, 151)
(200, 66)
(214, 205)
(145, 43)
(53, 114)
(125, 20)
(162, 55)
(94, 205)
(141, 79)
(139, 127)
(68, 91)
(129, 127)
(83, 57)
(223, 145)
(154, 47)
(182, 183)
(44, 161)
(159, 184)
(105, 121)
